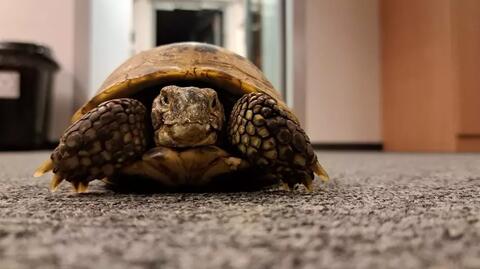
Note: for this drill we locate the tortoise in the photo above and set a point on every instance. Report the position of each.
(184, 115)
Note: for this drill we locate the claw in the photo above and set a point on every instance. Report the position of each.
(43, 168)
(56, 180)
(307, 182)
(83, 187)
(80, 186)
(319, 171)
(285, 186)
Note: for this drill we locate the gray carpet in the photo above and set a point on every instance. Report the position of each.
(379, 211)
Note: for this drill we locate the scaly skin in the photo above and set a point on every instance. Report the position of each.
(102, 141)
(187, 117)
(269, 138)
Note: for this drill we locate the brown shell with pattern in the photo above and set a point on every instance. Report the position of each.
(188, 61)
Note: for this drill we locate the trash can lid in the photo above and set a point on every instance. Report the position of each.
(28, 48)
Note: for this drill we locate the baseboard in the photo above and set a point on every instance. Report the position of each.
(348, 146)
(317, 146)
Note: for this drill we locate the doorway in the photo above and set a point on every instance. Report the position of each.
(180, 25)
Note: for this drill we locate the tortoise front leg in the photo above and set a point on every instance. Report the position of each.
(270, 136)
(98, 144)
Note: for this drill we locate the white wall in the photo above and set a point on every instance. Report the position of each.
(111, 44)
(143, 25)
(295, 57)
(272, 45)
(342, 71)
(234, 27)
(51, 23)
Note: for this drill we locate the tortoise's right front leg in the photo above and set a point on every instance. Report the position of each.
(269, 136)
(105, 139)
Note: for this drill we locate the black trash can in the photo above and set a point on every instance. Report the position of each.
(26, 76)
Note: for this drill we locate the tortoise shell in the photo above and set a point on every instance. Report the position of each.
(189, 61)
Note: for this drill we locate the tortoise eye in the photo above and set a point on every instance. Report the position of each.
(214, 103)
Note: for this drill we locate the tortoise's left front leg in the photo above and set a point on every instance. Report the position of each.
(104, 140)
(269, 136)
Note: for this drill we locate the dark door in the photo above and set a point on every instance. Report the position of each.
(189, 25)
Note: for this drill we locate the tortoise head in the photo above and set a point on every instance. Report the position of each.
(187, 116)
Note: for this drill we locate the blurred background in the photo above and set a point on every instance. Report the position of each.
(397, 75)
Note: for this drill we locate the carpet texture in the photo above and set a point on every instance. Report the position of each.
(379, 211)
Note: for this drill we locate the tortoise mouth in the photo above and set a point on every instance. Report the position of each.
(186, 135)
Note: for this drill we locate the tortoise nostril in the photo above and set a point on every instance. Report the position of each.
(165, 99)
